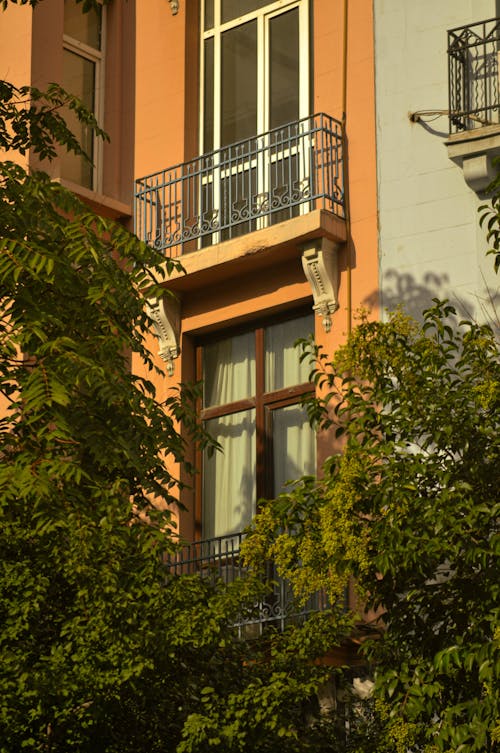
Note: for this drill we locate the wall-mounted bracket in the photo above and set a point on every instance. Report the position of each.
(320, 264)
(474, 151)
(174, 6)
(166, 315)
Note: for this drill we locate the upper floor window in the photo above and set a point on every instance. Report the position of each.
(255, 68)
(82, 76)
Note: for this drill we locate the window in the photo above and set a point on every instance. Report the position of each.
(82, 76)
(255, 81)
(253, 384)
(255, 68)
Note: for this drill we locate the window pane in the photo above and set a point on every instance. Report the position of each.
(239, 83)
(294, 446)
(229, 370)
(284, 68)
(79, 79)
(229, 476)
(209, 14)
(283, 367)
(208, 119)
(85, 27)
(234, 8)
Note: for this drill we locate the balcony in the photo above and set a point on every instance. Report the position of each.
(219, 559)
(474, 100)
(473, 53)
(283, 174)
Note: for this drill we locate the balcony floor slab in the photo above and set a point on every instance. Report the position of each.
(255, 251)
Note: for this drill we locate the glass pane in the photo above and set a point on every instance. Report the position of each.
(283, 367)
(209, 14)
(234, 8)
(294, 446)
(284, 68)
(208, 120)
(239, 83)
(229, 370)
(85, 27)
(229, 476)
(79, 79)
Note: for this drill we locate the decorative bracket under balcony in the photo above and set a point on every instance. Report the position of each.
(474, 152)
(166, 315)
(320, 264)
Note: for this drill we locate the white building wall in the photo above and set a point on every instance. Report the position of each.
(430, 244)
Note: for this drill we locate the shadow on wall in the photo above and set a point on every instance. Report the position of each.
(403, 290)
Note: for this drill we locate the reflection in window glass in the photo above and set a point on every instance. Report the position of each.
(284, 68)
(84, 27)
(209, 14)
(208, 120)
(234, 8)
(79, 79)
(239, 83)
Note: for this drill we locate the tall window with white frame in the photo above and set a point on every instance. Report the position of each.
(83, 76)
(255, 80)
(253, 386)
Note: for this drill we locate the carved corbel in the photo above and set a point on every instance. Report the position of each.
(320, 264)
(166, 315)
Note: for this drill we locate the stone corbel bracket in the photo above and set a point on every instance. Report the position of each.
(166, 315)
(320, 264)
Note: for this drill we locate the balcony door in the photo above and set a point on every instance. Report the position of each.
(255, 81)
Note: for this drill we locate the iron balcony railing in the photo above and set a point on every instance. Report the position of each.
(243, 187)
(219, 558)
(473, 53)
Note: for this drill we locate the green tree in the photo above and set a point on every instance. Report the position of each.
(410, 509)
(101, 648)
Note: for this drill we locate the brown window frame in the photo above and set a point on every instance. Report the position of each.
(263, 402)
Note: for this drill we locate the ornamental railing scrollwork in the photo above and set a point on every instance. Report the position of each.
(243, 187)
(219, 559)
(473, 75)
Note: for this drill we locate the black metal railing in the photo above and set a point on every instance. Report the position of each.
(243, 187)
(473, 84)
(219, 559)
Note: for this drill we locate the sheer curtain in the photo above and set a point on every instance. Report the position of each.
(283, 366)
(294, 446)
(294, 442)
(229, 475)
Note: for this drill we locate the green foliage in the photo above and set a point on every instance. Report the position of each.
(410, 509)
(101, 647)
(32, 119)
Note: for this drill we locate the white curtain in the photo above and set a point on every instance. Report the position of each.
(294, 446)
(229, 370)
(229, 476)
(283, 367)
(229, 480)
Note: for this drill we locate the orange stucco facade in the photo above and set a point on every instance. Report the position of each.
(247, 278)
(151, 111)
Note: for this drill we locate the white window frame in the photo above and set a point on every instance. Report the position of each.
(97, 57)
(263, 16)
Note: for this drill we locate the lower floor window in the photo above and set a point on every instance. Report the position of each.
(253, 386)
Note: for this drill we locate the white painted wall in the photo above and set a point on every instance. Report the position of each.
(430, 243)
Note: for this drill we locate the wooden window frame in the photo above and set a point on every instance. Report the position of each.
(264, 403)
